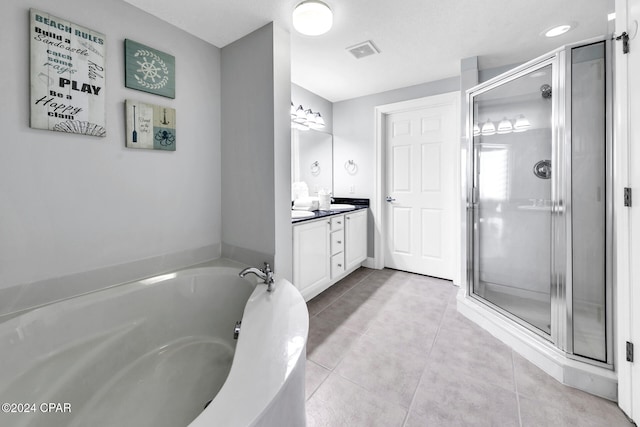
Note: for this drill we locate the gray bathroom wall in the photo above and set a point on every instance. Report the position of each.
(354, 134)
(256, 144)
(282, 150)
(354, 139)
(80, 212)
(488, 74)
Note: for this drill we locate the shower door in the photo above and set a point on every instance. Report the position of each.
(540, 198)
(514, 176)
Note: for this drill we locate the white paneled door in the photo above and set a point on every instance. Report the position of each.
(420, 188)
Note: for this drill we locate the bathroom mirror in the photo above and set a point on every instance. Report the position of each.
(312, 160)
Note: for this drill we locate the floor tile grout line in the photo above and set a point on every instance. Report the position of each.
(426, 366)
(353, 344)
(321, 382)
(361, 336)
(332, 370)
(440, 331)
(372, 391)
(515, 386)
(346, 290)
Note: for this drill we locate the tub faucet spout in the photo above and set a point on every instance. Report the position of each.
(266, 274)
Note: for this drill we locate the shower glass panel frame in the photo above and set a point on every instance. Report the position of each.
(551, 208)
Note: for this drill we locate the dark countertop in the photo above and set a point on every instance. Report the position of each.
(358, 203)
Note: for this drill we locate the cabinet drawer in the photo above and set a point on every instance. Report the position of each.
(337, 242)
(337, 265)
(337, 222)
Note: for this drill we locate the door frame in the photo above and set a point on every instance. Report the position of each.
(377, 205)
(626, 237)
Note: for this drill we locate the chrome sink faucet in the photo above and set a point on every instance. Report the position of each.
(266, 274)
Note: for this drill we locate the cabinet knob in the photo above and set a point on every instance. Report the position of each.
(339, 265)
(339, 222)
(339, 241)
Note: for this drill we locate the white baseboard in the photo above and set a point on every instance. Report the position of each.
(370, 263)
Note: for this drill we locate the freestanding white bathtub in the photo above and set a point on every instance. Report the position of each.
(156, 351)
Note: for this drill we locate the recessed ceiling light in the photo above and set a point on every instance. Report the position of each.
(557, 31)
(312, 18)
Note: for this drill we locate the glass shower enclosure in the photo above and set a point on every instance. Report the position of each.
(539, 199)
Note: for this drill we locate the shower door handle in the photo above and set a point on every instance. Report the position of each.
(475, 196)
(557, 208)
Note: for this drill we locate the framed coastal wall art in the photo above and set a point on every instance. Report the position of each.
(67, 76)
(150, 126)
(149, 70)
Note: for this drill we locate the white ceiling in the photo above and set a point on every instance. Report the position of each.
(419, 40)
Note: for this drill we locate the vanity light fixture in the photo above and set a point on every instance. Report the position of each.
(301, 116)
(488, 128)
(537, 74)
(319, 122)
(312, 18)
(302, 119)
(310, 120)
(299, 126)
(505, 126)
(521, 124)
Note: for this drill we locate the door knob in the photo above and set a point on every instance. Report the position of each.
(390, 199)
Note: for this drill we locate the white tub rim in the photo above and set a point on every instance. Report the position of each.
(286, 334)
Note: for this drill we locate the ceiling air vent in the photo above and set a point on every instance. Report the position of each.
(363, 49)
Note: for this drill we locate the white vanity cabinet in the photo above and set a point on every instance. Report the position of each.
(327, 249)
(311, 256)
(356, 238)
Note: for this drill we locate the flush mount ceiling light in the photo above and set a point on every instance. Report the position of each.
(557, 30)
(312, 18)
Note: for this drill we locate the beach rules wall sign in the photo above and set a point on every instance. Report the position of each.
(67, 76)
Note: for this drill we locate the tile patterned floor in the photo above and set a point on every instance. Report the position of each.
(388, 348)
